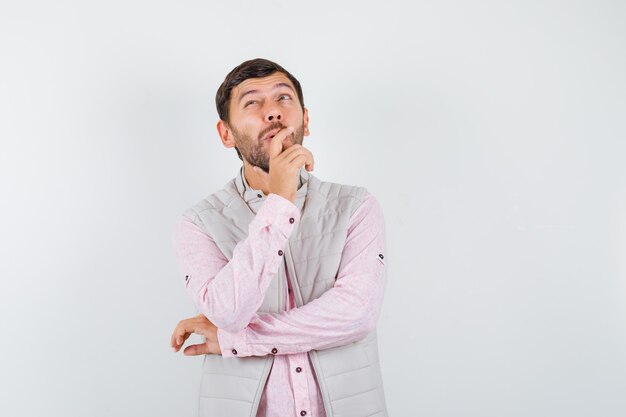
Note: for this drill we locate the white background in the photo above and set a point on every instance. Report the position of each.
(492, 133)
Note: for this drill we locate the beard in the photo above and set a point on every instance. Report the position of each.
(253, 150)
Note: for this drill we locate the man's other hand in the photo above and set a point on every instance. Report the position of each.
(199, 325)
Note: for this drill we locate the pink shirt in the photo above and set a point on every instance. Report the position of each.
(229, 294)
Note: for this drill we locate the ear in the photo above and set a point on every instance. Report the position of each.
(225, 134)
(305, 116)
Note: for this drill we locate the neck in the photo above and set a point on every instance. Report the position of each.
(256, 180)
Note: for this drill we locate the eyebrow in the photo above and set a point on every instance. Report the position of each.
(276, 86)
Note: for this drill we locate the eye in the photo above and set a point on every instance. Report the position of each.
(249, 102)
(284, 97)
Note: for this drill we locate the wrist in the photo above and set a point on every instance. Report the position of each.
(287, 196)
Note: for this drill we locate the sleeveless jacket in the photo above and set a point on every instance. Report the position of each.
(349, 376)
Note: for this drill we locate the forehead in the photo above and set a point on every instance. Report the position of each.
(260, 84)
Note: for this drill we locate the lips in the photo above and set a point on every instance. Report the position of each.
(271, 134)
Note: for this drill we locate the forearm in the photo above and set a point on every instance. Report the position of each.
(344, 314)
(228, 292)
(335, 319)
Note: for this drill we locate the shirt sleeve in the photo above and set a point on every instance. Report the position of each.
(229, 292)
(346, 313)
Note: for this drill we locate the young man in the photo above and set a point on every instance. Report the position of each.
(287, 271)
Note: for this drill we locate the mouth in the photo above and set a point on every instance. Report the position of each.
(271, 134)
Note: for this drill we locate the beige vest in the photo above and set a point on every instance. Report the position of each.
(349, 376)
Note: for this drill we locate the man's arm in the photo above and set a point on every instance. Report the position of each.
(344, 314)
(229, 292)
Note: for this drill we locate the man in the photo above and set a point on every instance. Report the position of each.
(287, 271)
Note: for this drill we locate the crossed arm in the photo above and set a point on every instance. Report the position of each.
(228, 293)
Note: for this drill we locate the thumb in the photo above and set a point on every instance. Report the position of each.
(193, 350)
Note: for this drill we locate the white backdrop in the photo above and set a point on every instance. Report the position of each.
(492, 133)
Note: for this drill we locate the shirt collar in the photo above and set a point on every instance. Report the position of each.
(255, 198)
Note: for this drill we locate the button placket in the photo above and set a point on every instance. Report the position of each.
(300, 382)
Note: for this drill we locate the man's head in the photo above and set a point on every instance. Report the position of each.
(256, 99)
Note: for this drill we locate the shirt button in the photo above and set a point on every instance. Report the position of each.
(259, 195)
(234, 351)
(274, 351)
(280, 253)
(380, 255)
(291, 220)
(303, 413)
(298, 369)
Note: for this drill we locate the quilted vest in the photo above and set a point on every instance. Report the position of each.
(349, 376)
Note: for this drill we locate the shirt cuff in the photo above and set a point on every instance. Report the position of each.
(279, 212)
(232, 345)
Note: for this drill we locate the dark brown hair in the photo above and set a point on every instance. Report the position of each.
(254, 68)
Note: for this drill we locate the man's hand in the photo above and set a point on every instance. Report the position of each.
(286, 159)
(202, 326)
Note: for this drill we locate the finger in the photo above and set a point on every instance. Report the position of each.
(276, 145)
(182, 331)
(288, 156)
(179, 338)
(193, 350)
(291, 150)
(175, 335)
(309, 164)
(176, 348)
(298, 161)
(309, 160)
(288, 141)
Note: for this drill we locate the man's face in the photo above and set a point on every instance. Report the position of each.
(259, 108)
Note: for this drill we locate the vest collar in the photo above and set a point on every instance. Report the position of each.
(251, 196)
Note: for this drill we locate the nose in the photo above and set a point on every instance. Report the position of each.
(273, 114)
